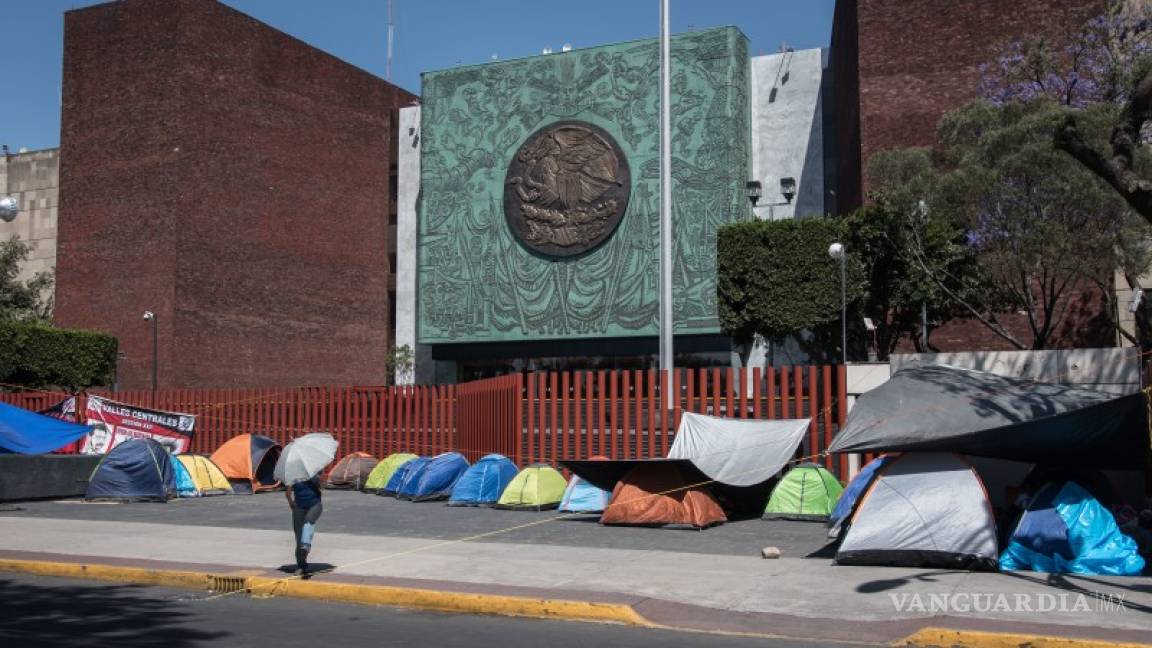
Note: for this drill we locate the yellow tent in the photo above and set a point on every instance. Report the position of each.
(207, 477)
(536, 488)
(383, 471)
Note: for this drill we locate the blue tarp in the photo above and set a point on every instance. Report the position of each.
(1067, 531)
(138, 469)
(25, 432)
(402, 475)
(435, 479)
(847, 502)
(185, 487)
(482, 484)
(582, 497)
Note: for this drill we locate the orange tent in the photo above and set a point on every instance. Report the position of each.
(661, 495)
(248, 461)
(352, 471)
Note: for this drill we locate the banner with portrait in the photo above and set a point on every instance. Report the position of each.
(113, 423)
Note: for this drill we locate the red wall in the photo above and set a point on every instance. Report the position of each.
(235, 181)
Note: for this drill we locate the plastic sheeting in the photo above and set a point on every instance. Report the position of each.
(737, 452)
(847, 502)
(1067, 531)
(25, 432)
(943, 408)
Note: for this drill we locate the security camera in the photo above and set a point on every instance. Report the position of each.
(149, 316)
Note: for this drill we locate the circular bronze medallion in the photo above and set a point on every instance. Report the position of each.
(567, 189)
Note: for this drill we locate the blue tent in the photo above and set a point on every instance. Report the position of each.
(402, 475)
(25, 432)
(482, 484)
(583, 497)
(138, 469)
(434, 480)
(185, 487)
(1067, 531)
(852, 492)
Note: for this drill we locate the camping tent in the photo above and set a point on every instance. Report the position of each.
(847, 502)
(739, 455)
(384, 470)
(352, 471)
(1066, 530)
(206, 476)
(807, 492)
(434, 479)
(658, 494)
(247, 460)
(482, 484)
(582, 497)
(185, 487)
(135, 470)
(923, 510)
(25, 432)
(403, 475)
(535, 488)
(948, 409)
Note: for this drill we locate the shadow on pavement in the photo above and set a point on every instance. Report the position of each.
(112, 615)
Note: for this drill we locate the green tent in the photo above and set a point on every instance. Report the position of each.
(535, 488)
(807, 492)
(383, 471)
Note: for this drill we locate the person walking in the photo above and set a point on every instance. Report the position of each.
(305, 500)
(299, 468)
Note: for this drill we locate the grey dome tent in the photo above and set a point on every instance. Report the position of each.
(923, 510)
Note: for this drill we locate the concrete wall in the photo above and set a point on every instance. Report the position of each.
(33, 179)
(787, 131)
(408, 193)
(233, 180)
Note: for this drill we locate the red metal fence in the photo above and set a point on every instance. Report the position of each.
(545, 417)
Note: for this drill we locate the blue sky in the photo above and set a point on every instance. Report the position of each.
(430, 35)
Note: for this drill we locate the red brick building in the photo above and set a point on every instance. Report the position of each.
(236, 182)
(898, 66)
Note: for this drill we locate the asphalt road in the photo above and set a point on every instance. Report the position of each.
(66, 613)
(363, 514)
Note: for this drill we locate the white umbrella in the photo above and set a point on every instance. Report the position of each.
(304, 458)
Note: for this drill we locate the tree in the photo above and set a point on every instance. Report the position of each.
(399, 362)
(775, 280)
(1040, 226)
(22, 300)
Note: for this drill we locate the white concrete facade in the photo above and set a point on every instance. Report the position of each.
(788, 131)
(407, 195)
(33, 179)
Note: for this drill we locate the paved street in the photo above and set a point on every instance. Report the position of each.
(65, 613)
(356, 513)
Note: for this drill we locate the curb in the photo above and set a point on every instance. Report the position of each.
(424, 599)
(257, 583)
(943, 637)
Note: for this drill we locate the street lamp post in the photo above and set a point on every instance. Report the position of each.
(149, 316)
(836, 251)
(667, 326)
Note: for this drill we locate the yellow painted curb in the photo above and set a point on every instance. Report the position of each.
(470, 603)
(975, 639)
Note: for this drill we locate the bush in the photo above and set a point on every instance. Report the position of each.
(39, 356)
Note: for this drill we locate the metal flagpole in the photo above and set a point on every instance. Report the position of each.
(666, 324)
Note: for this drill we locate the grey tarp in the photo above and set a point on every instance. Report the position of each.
(734, 452)
(938, 407)
(923, 510)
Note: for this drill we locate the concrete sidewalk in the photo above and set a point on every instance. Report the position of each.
(786, 597)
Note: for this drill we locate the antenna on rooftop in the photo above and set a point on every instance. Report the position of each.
(391, 30)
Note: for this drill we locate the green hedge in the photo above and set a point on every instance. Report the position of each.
(37, 355)
(775, 278)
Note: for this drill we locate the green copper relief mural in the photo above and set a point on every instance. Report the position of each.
(500, 133)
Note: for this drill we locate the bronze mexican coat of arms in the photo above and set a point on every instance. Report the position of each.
(566, 189)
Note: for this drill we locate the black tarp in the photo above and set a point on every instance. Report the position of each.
(604, 474)
(938, 407)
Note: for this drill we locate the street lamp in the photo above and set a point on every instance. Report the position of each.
(836, 251)
(754, 191)
(149, 316)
